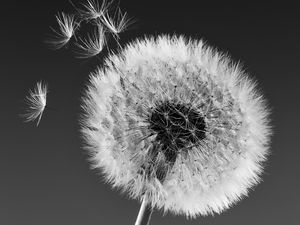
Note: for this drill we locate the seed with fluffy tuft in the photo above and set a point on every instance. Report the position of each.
(36, 101)
(178, 121)
(67, 26)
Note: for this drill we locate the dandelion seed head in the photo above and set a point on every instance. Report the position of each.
(36, 101)
(177, 120)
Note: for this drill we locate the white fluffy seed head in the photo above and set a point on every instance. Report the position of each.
(36, 101)
(176, 120)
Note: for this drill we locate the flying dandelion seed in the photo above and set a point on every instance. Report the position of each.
(66, 29)
(36, 101)
(177, 124)
(93, 44)
(92, 9)
(117, 24)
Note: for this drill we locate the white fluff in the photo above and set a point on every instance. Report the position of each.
(117, 24)
(66, 29)
(215, 173)
(36, 101)
(92, 13)
(93, 44)
(93, 10)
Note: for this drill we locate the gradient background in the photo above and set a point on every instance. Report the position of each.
(44, 176)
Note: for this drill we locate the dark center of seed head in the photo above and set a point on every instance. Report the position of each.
(177, 127)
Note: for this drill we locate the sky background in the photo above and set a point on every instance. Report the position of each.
(45, 178)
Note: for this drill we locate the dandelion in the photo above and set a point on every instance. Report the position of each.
(93, 44)
(176, 124)
(36, 101)
(66, 29)
(117, 24)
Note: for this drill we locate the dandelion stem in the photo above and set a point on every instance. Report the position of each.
(145, 213)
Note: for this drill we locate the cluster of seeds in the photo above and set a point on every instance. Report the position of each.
(96, 15)
(174, 119)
